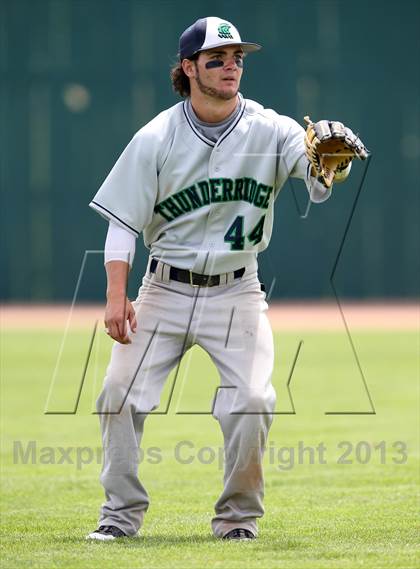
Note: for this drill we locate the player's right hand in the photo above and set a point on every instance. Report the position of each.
(119, 314)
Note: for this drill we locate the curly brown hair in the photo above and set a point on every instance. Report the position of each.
(180, 82)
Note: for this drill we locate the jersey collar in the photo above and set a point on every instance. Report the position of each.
(210, 143)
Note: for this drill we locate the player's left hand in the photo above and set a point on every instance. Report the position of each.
(330, 148)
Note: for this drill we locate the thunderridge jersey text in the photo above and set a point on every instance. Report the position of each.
(212, 191)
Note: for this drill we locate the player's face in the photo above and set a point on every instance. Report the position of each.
(218, 72)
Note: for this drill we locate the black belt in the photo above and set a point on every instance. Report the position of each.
(194, 279)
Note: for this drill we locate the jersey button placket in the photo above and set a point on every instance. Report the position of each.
(213, 215)
(214, 163)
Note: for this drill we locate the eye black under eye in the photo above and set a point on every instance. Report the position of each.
(218, 62)
(214, 63)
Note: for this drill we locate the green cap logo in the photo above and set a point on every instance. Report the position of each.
(224, 32)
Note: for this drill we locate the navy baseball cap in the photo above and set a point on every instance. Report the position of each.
(210, 32)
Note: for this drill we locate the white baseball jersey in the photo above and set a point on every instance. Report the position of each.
(202, 205)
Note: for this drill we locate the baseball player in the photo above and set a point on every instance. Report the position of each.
(199, 181)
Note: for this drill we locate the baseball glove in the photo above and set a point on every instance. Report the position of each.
(330, 148)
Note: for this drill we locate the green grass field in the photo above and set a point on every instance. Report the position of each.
(329, 515)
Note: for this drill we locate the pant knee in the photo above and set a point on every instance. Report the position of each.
(236, 401)
(120, 393)
(113, 396)
(255, 401)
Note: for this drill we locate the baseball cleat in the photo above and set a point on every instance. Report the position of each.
(239, 534)
(106, 533)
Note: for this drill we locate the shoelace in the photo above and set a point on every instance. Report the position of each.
(112, 530)
(240, 533)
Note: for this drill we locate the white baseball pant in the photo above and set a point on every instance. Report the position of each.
(229, 322)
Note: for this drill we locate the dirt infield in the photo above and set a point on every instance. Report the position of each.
(283, 316)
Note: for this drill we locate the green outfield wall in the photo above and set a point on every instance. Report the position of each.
(79, 77)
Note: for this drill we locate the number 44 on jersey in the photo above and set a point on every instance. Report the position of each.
(235, 234)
